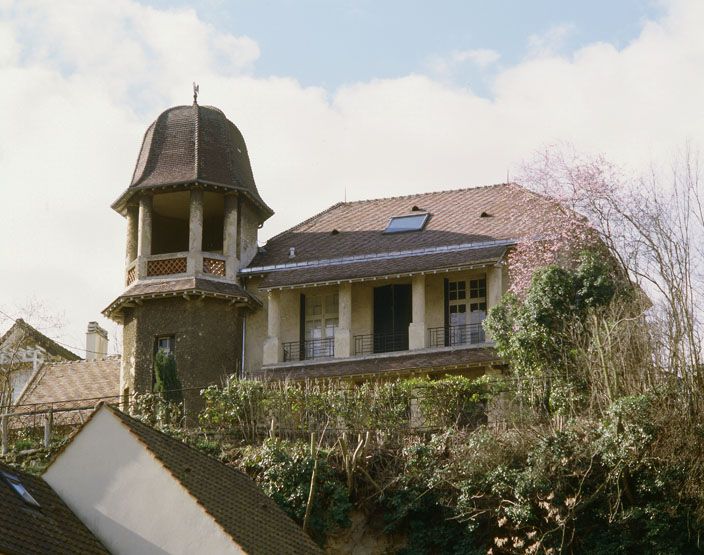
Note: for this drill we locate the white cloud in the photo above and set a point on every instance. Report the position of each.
(445, 67)
(551, 42)
(81, 81)
(482, 57)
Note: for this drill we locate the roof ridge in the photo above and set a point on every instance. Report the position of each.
(352, 202)
(456, 190)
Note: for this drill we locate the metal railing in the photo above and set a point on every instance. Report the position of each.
(309, 349)
(448, 336)
(380, 343)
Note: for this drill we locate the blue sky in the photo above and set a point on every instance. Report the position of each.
(332, 42)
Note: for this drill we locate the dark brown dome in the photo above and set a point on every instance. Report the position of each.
(194, 144)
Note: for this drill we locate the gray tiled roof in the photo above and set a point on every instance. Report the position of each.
(380, 267)
(236, 503)
(28, 334)
(66, 381)
(480, 215)
(189, 144)
(50, 529)
(180, 286)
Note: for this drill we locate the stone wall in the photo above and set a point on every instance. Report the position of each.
(208, 338)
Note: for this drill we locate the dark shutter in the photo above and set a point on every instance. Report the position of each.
(302, 329)
(403, 314)
(383, 317)
(446, 302)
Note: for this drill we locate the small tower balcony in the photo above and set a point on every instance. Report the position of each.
(190, 233)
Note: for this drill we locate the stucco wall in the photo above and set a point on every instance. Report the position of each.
(128, 499)
(362, 307)
(256, 328)
(249, 228)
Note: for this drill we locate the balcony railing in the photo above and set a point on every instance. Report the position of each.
(448, 336)
(166, 266)
(309, 349)
(380, 343)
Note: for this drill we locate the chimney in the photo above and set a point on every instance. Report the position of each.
(96, 342)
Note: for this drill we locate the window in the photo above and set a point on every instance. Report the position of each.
(414, 222)
(466, 312)
(321, 312)
(165, 344)
(16, 484)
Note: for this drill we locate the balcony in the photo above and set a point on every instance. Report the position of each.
(176, 264)
(450, 336)
(380, 343)
(309, 349)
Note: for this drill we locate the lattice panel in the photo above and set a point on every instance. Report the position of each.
(166, 267)
(131, 275)
(214, 266)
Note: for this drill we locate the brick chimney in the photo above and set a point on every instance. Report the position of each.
(96, 342)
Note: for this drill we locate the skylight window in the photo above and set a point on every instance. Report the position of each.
(400, 224)
(16, 484)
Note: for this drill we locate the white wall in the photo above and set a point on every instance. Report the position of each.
(127, 498)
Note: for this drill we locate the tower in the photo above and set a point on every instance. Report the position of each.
(192, 212)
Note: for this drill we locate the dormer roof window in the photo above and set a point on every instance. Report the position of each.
(412, 222)
(16, 484)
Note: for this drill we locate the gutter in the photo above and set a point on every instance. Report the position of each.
(376, 256)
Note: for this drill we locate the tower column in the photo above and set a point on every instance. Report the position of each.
(416, 330)
(343, 333)
(144, 237)
(230, 236)
(272, 345)
(195, 233)
(132, 233)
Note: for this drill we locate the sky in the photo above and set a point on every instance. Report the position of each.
(335, 98)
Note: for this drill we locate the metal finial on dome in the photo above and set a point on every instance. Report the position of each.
(196, 88)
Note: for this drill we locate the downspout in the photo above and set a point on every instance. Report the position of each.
(244, 337)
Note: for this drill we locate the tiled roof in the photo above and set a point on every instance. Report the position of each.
(377, 268)
(177, 287)
(237, 504)
(50, 529)
(67, 381)
(189, 144)
(396, 363)
(28, 334)
(458, 217)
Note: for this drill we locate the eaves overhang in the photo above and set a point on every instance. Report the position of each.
(120, 205)
(377, 266)
(147, 290)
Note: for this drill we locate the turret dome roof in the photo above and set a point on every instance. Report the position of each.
(188, 145)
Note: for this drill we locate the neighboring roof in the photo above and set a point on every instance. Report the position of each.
(234, 500)
(194, 144)
(28, 334)
(386, 364)
(502, 213)
(69, 384)
(52, 528)
(458, 259)
(153, 289)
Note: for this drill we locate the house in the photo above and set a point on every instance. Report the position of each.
(70, 389)
(377, 288)
(35, 521)
(140, 491)
(23, 349)
(391, 286)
